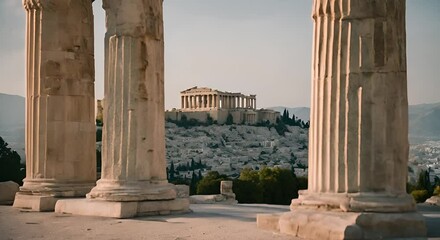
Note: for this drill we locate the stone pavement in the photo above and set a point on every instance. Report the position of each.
(205, 222)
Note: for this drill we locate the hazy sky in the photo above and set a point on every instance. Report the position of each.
(258, 47)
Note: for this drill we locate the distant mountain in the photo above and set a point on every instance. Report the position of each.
(11, 111)
(424, 120)
(302, 113)
(12, 120)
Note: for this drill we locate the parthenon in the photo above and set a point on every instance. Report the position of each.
(201, 99)
(200, 102)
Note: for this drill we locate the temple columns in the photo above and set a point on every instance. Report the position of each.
(358, 139)
(133, 180)
(60, 123)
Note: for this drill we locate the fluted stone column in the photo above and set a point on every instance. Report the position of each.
(60, 123)
(359, 111)
(358, 139)
(182, 102)
(133, 180)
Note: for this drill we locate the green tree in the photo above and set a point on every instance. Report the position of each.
(171, 172)
(193, 184)
(10, 164)
(98, 134)
(98, 160)
(423, 182)
(229, 119)
(280, 127)
(279, 185)
(209, 120)
(193, 165)
(420, 196)
(247, 187)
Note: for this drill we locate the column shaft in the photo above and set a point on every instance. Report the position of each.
(133, 164)
(359, 114)
(60, 123)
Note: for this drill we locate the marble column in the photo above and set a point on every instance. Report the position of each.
(203, 101)
(225, 101)
(358, 139)
(133, 180)
(182, 102)
(60, 122)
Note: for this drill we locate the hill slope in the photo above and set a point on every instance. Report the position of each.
(302, 113)
(424, 121)
(12, 120)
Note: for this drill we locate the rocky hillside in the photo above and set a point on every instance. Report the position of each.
(228, 149)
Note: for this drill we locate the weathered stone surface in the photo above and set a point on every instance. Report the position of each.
(113, 209)
(7, 192)
(133, 156)
(359, 111)
(36, 203)
(133, 174)
(60, 124)
(434, 200)
(226, 189)
(358, 144)
(320, 224)
(206, 199)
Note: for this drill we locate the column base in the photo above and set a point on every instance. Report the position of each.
(355, 202)
(37, 203)
(136, 191)
(322, 224)
(102, 208)
(50, 187)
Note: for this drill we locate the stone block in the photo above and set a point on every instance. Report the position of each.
(36, 203)
(434, 200)
(102, 208)
(7, 192)
(99, 208)
(320, 224)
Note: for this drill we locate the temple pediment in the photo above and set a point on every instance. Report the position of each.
(198, 90)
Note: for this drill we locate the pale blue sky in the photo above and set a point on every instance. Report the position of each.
(258, 47)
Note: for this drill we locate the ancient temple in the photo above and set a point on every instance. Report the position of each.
(202, 99)
(201, 102)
